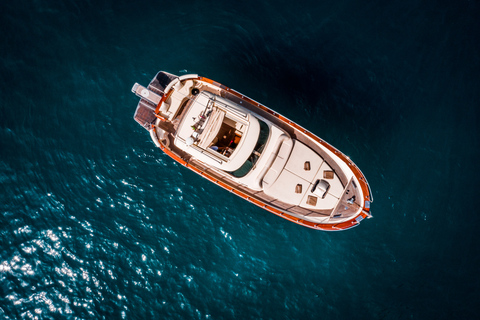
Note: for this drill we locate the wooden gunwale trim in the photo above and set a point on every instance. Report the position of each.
(356, 171)
(322, 226)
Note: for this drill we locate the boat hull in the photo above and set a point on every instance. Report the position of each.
(300, 132)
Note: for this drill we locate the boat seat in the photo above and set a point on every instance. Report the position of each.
(278, 164)
(182, 90)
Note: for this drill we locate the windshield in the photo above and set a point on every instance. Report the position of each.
(256, 153)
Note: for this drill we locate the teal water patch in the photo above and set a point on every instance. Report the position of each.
(97, 223)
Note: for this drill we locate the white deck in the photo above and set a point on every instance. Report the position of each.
(295, 176)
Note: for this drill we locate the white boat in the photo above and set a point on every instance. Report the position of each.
(252, 151)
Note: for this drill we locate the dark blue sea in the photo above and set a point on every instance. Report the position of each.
(97, 223)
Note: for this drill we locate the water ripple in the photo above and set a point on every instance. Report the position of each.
(97, 223)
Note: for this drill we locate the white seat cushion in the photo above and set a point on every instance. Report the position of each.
(296, 162)
(278, 164)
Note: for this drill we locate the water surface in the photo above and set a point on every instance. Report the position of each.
(97, 223)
